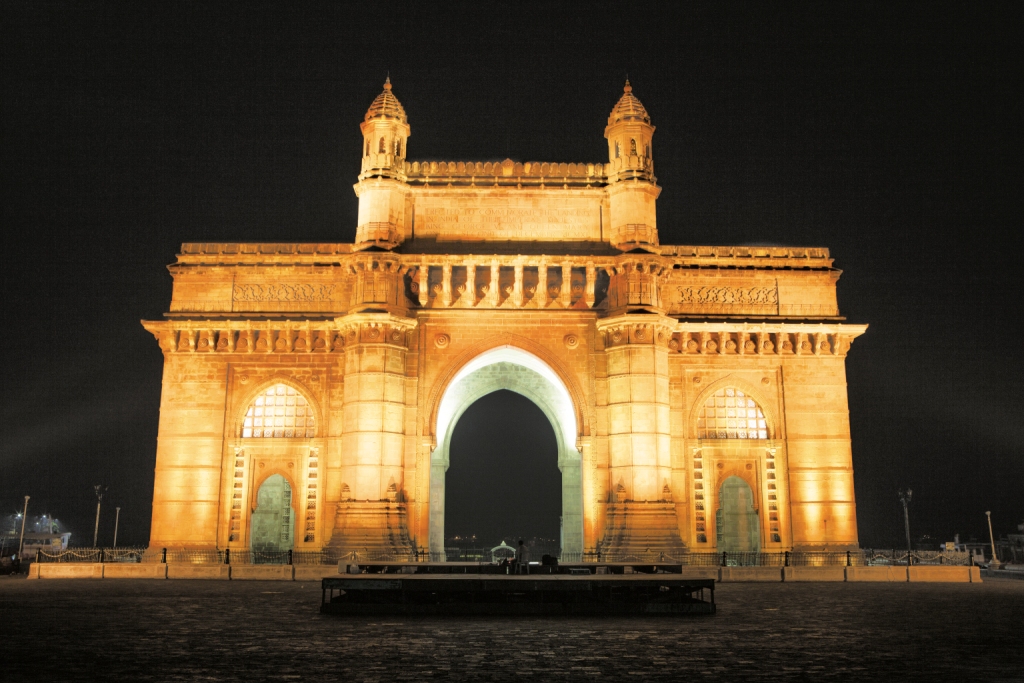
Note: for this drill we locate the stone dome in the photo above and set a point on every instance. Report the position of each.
(386, 105)
(628, 108)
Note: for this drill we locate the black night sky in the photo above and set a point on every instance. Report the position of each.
(890, 135)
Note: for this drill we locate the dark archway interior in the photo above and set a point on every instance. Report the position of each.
(503, 480)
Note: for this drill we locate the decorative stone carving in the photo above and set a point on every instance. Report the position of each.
(728, 296)
(442, 341)
(282, 292)
(571, 340)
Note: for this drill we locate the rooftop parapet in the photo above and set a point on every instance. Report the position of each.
(508, 172)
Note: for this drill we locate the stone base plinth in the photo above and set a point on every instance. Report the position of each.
(742, 574)
(198, 571)
(262, 572)
(371, 530)
(148, 570)
(642, 530)
(814, 574)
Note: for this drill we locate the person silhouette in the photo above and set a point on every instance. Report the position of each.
(522, 558)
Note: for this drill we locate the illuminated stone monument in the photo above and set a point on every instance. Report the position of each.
(697, 394)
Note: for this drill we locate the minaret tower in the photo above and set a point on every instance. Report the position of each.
(381, 189)
(632, 186)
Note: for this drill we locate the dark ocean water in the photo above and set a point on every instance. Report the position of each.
(134, 630)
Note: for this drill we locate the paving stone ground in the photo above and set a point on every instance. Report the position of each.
(136, 630)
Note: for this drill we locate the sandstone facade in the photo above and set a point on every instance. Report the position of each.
(666, 371)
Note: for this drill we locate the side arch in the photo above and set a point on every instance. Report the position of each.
(512, 341)
(770, 414)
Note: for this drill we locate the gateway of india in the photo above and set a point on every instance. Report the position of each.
(697, 393)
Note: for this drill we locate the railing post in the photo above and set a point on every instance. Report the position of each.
(163, 556)
(227, 555)
(848, 562)
(101, 555)
(787, 558)
(723, 558)
(289, 555)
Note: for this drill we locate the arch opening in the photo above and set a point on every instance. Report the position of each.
(737, 520)
(518, 371)
(503, 482)
(273, 524)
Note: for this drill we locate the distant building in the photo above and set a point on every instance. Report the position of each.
(34, 542)
(697, 393)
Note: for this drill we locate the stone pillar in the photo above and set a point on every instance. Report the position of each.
(189, 450)
(639, 436)
(423, 282)
(494, 291)
(565, 299)
(818, 454)
(436, 540)
(591, 282)
(542, 285)
(517, 286)
(373, 436)
(446, 284)
(470, 295)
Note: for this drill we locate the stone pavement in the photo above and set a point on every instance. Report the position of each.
(143, 630)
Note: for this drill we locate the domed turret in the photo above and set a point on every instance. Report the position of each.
(632, 188)
(386, 105)
(628, 108)
(382, 188)
(385, 132)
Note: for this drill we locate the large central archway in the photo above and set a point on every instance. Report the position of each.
(515, 370)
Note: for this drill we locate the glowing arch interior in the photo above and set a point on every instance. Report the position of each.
(557, 393)
(519, 371)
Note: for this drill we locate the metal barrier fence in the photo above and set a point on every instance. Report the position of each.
(329, 556)
(130, 555)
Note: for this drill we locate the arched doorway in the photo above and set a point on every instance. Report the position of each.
(503, 482)
(273, 528)
(521, 372)
(737, 521)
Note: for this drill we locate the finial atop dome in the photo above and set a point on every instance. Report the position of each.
(628, 108)
(386, 105)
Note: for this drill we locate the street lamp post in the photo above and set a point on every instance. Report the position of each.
(905, 499)
(24, 516)
(99, 501)
(117, 518)
(994, 564)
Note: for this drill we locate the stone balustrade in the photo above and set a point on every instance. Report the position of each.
(485, 173)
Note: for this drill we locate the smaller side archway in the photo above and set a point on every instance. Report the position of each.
(737, 523)
(272, 528)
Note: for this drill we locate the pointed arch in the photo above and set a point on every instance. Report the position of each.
(249, 400)
(748, 391)
(511, 341)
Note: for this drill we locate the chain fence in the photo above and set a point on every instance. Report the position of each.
(330, 556)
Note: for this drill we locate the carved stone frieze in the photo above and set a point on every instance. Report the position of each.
(729, 296)
(283, 292)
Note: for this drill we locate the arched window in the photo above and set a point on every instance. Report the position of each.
(279, 412)
(367, 148)
(398, 148)
(617, 150)
(632, 147)
(380, 146)
(731, 414)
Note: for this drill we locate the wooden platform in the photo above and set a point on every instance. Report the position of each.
(464, 594)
